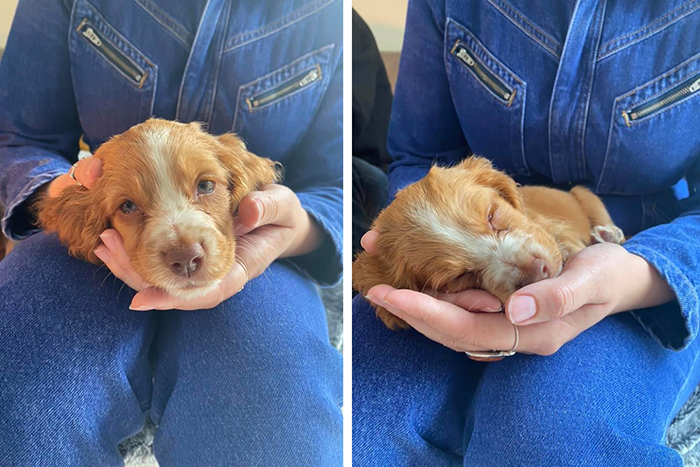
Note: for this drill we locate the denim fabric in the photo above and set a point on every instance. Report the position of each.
(251, 382)
(191, 61)
(604, 400)
(574, 71)
(369, 195)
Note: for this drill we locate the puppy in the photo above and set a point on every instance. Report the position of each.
(170, 189)
(471, 226)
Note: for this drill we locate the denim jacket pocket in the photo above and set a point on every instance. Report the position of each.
(481, 85)
(282, 103)
(104, 63)
(653, 129)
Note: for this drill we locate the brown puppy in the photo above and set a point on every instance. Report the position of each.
(170, 189)
(471, 226)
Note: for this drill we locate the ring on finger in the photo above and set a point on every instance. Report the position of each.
(494, 354)
(71, 174)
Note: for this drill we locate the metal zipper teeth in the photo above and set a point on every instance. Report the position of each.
(494, 84)
(666, 100)
(111, 53)
(279, 92)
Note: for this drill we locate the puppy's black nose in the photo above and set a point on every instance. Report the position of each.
(185, 261)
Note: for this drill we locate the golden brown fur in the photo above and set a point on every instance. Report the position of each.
(471, 226)
(157, 165)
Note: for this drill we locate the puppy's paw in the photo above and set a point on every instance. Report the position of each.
(607, 234)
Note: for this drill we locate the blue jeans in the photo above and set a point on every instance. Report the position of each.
(251, 382)
(605, 399)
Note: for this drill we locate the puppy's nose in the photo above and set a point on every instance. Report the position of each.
(185, 261)
(535, 271)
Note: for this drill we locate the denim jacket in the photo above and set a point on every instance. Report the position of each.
(270, 71)
(604, 93)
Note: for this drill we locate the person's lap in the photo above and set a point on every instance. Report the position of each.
(257, 371)
(606, 398)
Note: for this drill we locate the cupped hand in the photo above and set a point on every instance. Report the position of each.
(87, 171)
(600, 280)
(271, 224)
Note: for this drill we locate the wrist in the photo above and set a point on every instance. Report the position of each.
(308, 238)
(641, 285)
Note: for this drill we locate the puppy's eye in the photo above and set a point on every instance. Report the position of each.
(205, 187)
(128, 207)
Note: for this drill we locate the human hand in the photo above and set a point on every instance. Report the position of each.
(600, 280)
(86, 172)
(270, 224)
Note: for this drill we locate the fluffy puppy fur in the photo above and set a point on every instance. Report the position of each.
(471, 226)
(170, 189)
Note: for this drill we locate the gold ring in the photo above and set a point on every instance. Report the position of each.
(493, 354)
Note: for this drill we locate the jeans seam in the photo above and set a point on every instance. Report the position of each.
(664, 21)
(276, 26)
(527, 27)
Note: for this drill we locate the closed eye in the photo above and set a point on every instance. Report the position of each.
(495, 221)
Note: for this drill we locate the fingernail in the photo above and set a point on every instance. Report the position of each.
(108, 240)
(493, 310)
(259, 204)
(140, 308)
(103, 254)
(521, 309)
(370, 298)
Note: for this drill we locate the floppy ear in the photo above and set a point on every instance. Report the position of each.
(484, 173)
(368, 271)
(77, 216)
(247, 172)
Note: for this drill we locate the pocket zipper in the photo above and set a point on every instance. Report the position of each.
(307, 78)
(667, 99)
(488, 79)
(111, 53)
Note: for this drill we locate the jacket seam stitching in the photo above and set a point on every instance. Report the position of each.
(522, 23)
(649, 30)
(275, 27)
(170, 25)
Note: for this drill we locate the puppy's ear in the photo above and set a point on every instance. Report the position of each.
(247, 172)
(368, 271)
(77, 216)
(484, 173)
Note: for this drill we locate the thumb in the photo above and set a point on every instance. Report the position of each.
(551, 299)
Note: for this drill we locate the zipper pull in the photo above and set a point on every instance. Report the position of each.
(92, 37)
(695, 86)
(465, 57)
(309, 78)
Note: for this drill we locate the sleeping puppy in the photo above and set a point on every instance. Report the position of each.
(170, 189)
(471, 226)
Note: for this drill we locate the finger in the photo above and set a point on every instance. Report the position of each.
(273, 204)
(369, 241)
(59, 184)
(153, 298)
(553, 298)
(474, 300)
(118, 260)
(254, 253)
(88, 170)
(460, 330)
